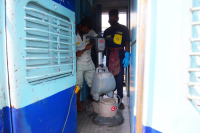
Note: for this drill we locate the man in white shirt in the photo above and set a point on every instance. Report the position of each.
(85, 65)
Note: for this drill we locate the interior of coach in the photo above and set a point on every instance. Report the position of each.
(98, 11)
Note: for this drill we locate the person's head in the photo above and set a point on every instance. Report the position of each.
(86, 24)
(113, 17)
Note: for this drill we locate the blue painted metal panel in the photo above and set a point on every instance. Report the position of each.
(87, 9)
(5, 113)
(47, 115)
(41, 107)
(133, 29)
(70, 4)
(132, 87)
(91, 2)
(78, 11)
(24, 92)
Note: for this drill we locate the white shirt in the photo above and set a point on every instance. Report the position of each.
(85, 58)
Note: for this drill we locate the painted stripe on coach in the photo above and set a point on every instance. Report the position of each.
(47, 115)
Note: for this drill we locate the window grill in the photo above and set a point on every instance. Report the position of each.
(50, 49)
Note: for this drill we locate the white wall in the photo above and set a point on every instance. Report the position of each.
(166, 107)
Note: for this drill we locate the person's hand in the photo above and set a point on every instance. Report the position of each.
(126, 59)
(79, 53)
(89, 46)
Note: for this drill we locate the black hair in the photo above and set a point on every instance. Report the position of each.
(114, 12)
(87, 21)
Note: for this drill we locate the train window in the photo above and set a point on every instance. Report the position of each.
(49, 44)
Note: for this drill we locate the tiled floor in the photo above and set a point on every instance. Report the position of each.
(85, 124)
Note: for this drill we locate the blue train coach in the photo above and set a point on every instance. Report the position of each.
(38, 65)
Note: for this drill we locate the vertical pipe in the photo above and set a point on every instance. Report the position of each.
(100, 60)
(140, 64)
(128, 68)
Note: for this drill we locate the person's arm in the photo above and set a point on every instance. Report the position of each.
(127, 46)
(89, 46)
(79, 53)
(94, 34)
(126, 38)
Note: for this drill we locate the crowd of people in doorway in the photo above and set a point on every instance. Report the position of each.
(117, 53)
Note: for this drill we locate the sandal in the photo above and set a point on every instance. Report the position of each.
(79, 108)
(121, 106)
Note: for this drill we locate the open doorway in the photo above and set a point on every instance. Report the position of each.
(105, 17)
(84, 122)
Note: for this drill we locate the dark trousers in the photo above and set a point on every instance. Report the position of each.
(120, 77)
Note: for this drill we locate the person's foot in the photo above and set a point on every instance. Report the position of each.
(121, 106)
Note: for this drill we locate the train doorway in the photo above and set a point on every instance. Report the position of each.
(98, 10)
